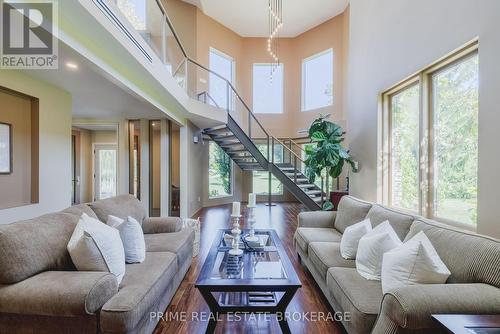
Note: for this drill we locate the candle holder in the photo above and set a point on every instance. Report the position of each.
(251, 220)
(236, 232)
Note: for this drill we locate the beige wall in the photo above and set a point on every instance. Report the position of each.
(16, 110)
(54, 145)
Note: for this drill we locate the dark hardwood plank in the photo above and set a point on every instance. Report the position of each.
(188, 300)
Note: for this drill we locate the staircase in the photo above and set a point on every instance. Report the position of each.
(244, 152)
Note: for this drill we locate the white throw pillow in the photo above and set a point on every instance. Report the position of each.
(94, 246)
(371, 249)
(350, 238)
(414, 262)
(132, 237)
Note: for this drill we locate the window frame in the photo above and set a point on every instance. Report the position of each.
(303, 77)
(231, 179)
(423, 78)
(282, 65)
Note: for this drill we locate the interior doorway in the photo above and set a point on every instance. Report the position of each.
(94, 158)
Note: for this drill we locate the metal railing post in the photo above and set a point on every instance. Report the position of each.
(250, 125)
(290, 147)
(322, 193)
(186, 81)
(295, 169)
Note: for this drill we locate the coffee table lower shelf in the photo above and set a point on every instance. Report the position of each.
(232, 299)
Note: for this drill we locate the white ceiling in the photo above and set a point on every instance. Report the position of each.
(93, 94)
(249, 18)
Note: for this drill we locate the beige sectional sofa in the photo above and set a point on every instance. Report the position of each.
(472, 288)
(41, 292)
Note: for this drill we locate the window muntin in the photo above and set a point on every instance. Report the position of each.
(317, 81)
(219, 172)
(455, 96)
(267, 89)
(404, 148)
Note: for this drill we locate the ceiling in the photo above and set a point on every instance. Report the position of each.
(93, 93)
(249, 18)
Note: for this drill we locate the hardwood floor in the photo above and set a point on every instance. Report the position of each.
(189, 303)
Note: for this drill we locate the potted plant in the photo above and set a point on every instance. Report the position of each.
(327, 154)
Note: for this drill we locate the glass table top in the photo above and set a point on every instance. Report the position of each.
(260, 260)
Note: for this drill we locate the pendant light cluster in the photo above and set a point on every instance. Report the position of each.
(275, 24)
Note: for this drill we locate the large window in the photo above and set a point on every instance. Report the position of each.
(317, 81)
(267, 89)
(223, 65)
(219, 172)
(261, 178)
(404, 114)
(454, 153)
(430, 140)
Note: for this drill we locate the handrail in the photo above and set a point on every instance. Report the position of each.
(296, 144)
(279, 141)
(232, 88)
(164, 12)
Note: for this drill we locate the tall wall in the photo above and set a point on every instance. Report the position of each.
(390, 40)
(54, 146)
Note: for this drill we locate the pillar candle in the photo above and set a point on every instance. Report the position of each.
(252, 198)
(236, 208)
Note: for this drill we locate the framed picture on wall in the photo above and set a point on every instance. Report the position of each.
(5, 148)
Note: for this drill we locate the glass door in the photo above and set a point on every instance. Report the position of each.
(105, 171)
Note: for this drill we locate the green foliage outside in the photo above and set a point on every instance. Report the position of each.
(456, 106)
(219, 172)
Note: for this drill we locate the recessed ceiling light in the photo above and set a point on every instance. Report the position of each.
(71, 66)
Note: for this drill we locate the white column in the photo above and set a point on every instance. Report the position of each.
(164, 168)
(184, 194)
(144, 142)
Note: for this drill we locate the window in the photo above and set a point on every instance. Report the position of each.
(267, 89)
(260, 179)
(317, 81)
(454, 153)
(430, 140)
(217, 88)
(404, 114)
(219, 172)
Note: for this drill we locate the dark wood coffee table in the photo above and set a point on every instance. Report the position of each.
(469, 323)
(262, 280)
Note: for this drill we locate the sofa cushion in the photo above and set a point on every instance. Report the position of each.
(304, 235)
(350, 211)
(470, 257)
(79, 209)
(180, 243)
(142, 287)
(32, 246)
(356, 295)
(325, 255)
(400, 222)
(59, 293)
(120, 206)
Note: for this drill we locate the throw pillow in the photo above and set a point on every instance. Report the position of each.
(350, 238)
(94, 246)
(414, 262)
(371, 249)
(132, 237)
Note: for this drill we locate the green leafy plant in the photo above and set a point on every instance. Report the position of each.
(327, 155)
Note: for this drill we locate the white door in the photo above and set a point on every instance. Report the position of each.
(105, 171)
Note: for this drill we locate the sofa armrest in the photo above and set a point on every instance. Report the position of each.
(161, 225)
(317, 219)
(59, 293)
(411, 307)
